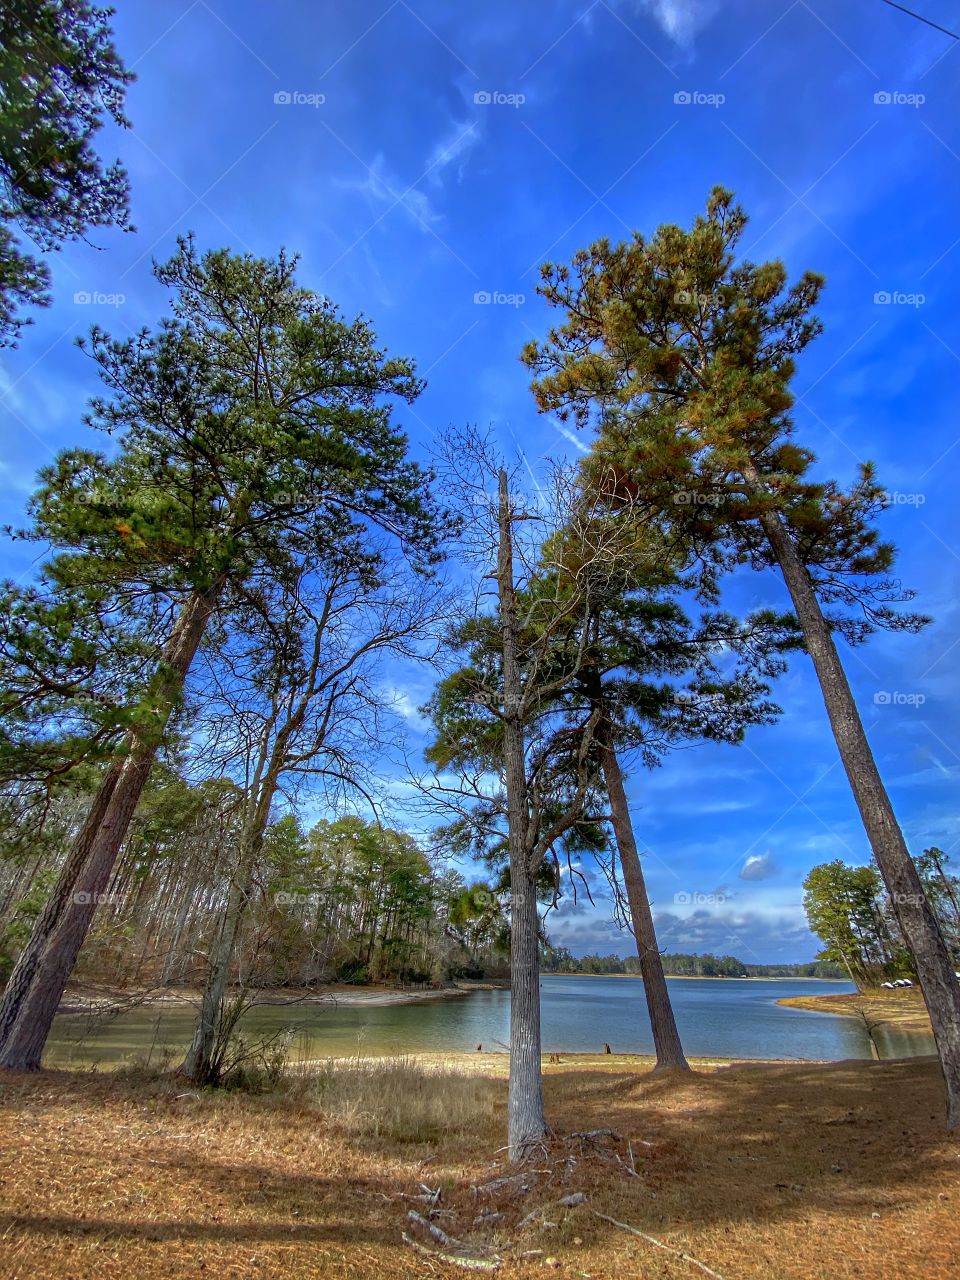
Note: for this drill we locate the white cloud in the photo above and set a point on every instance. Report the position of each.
(759, 866)
(681, 20)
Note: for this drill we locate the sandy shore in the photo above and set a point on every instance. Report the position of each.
(88, 998)
(902, 1008)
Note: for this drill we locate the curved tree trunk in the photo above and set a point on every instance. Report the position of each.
(23, 1046)
(666, 1037)
(940, 988)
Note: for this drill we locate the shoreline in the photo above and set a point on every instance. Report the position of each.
(91, 998)
(693, 977)
(902, 1009)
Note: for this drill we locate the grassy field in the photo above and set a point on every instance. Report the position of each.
(776, 1171)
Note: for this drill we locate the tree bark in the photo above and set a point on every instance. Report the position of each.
(941, 991)
(666, 1037)
(21, 979)
(23, 1046)
(526, 1123)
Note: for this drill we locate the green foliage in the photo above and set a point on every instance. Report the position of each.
(682, 358)
(847, 911)
(253, 441)
(60, 80)
(69, 671)
(16, 928)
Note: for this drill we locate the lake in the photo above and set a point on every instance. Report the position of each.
(718, 1017)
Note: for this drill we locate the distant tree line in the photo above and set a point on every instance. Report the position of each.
(681, 964)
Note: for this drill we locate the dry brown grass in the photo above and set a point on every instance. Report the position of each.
(786, 1172)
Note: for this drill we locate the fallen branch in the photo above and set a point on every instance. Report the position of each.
(488, 1188)
(634, 1231)
(453, 1259)
(431, 1228)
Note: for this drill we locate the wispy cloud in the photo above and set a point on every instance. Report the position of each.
(452, 152)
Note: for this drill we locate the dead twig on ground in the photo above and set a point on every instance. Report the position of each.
(679, 1253)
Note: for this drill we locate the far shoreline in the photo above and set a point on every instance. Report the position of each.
(694, 977)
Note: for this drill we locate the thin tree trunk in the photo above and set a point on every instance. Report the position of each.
(919, 925)
(526, 1123)
(23, 1047)
(199, 1064)
(666, 1037)
(170, 960)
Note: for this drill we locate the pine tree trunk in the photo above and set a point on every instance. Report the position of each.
(919, 925)
(21, 979)
(526, 1123)
(666, 1037)
(23, 1046)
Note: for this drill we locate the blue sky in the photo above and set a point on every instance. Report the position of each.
(421, 154)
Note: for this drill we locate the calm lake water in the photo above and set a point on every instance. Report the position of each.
(725, 1018)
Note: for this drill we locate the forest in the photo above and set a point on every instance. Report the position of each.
(299, 703)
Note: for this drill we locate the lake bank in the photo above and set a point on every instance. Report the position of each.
(86, 998)
(754, 1170)
(723, 1020)
(902, 1008)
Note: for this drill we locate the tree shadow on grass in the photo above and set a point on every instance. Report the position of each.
(764, 1142)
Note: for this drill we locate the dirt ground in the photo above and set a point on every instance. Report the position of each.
(784, 1172)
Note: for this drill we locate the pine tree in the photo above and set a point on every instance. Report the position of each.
(60, 79)
(683, 358)
(252, 429)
